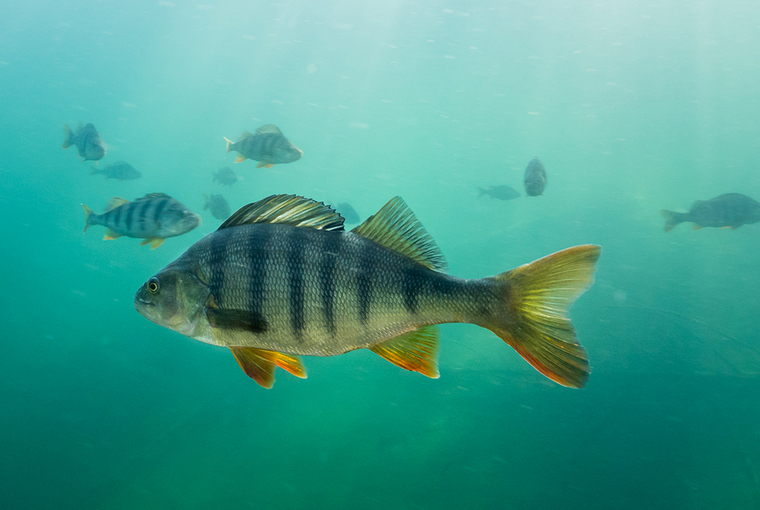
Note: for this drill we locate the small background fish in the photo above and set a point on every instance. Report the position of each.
(87, 140)
(348, 212)
(220, 209)
(268, 146)
(153, 217)
(225, 176)
(535, 178)
(121, 171)
(730, 210)
(503, 192)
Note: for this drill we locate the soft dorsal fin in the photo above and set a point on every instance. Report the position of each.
(397, 228)
(289, 210)
(268, 129)
(114, 203)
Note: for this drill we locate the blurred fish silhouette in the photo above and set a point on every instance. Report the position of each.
(348, 212)
(502, 192)
(535, 178)
(225, 176)
(90, 145)
(268, 146)
(220, 209)
(121, 171)
(730, 210)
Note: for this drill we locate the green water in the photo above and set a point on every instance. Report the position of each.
(631, 106)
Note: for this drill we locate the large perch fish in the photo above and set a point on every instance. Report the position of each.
(281, 279)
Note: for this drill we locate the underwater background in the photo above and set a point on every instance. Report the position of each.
(632, 106)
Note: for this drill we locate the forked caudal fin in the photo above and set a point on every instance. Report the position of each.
(535, 323)
(671, 219)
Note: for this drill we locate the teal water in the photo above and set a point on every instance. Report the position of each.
(631, 106)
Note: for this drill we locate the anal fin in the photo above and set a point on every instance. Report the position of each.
(696, 226)
(154, 242)
(416, 350)
(110, 234)
(259, 364)
(239, 158)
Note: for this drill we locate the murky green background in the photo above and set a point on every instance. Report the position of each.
(632, 107)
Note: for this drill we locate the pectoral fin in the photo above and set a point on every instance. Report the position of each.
(244, 320)
(416, 350)
(259, 364)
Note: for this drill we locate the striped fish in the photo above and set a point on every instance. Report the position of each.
(268, 146)
(153, 217)
(87, 140)
(281, 278)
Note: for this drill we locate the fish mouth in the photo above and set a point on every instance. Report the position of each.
(145, 308)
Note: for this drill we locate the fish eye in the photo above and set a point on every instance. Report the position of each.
(153, 285)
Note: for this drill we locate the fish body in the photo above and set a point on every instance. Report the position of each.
(535, 178)
(268, 146)
(220, 209)
(121, 171)
(87, 140)
(225, 176)
(502, 192)
(281, 278)
(348, 212)
(153, 218)
(730, 210)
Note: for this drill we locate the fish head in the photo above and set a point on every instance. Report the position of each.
(173, 298)
(178, 219)
(287, 153)
(94, 151)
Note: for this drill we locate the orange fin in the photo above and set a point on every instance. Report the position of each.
(110, 234)
(239, 158)
(259, 364)
(416, 350)
(264, 164)
(156, 242)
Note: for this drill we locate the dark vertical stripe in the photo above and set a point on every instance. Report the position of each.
(131, 206)
(411, 281)
(295, 274)
(142, 215)
(364, 281)
(217, 262)
(258, 256)
(158, 210)
(330, 253)
(114, 217)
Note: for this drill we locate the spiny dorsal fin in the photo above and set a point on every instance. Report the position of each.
(397, 228)
(246, 134)
(289, 210)
(114, 203)
(416, 350)
(154, 195)
(269, 128)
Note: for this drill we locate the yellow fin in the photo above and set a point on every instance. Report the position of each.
(239, 158)
(110, 234)
(289, 210)
(156, 242)
(259, 364)
(229, 142)
(695, 226)
(270, 165)
(115, 202)
(416, 350)
(87, 213)
(397, 228)
(533, 316)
